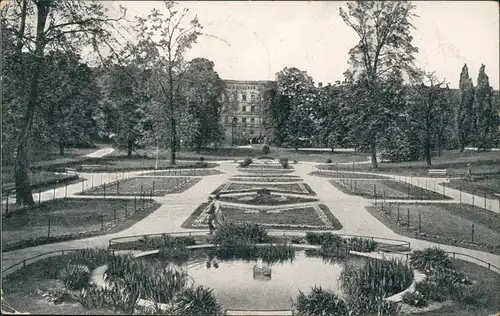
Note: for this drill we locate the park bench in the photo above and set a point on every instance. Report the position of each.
(89, 167)
(440, 172)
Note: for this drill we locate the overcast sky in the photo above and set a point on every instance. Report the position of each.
(261, 38)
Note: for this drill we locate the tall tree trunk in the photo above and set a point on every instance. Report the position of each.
(130, 147)
(374, 154)
(61, 148)
(22, 181)
(428, 150)
(173, 140)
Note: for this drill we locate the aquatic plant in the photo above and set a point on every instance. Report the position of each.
(361, 244)
(196, 301)
(165, 240)
(376, 278)
(245, 232)
(319, 302)
(276, 253)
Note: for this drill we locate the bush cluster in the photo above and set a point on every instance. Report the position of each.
(284, 163)
(265, 149)
(75, 276)
(355, 243)
(245, 163)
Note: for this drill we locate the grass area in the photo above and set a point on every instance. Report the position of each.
(295, 218)
(490, 283)
(444, 223)
(39, 179)
(70, 218)
(158, 186)
(346, 175)
(389, 189)
(273, 199)
(454, 161)
(296, 188)
(486, 185)
(113, 163)
(266, 179)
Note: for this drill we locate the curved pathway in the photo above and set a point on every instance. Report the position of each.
(349, 210)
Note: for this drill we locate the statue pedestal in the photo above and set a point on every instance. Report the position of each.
(261, 271)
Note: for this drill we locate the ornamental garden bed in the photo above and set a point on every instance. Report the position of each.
(388, 189)
(265, 171)
(157, 186)
(265, 179)
(281, 176)
(295, 188)
(350, 175)
(446, 223)
(71, 218)
(308, 217)
(271, 199)
(176, 172)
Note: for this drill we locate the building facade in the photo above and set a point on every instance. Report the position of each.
(243, 113)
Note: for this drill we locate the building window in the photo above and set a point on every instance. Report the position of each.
(243, 109)
(235, 96)
(252, 108)
(243, 96)
(252, 97)
(243, 120)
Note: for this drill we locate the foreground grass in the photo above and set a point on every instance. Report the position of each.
(490, 283)
(388, 189)
(70, 218)
(486, 185)
(449, 224)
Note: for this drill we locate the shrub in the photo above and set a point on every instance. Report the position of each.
(265, 149)
(328, 160)
(430, 259)
(361, 244)
(165, 240)
(432, 291)
(246, 162)
(294, 161)
(75, 276)
(376, 278)
(371, 305)
(414, 299)
(321, 238)
(202, 159)
(320, 302)
(197, 301)
(284, 163)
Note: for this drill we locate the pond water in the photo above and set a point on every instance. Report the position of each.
(235, 287)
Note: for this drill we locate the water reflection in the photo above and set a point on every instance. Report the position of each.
(236, 287)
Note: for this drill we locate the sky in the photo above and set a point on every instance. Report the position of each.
(254, 40)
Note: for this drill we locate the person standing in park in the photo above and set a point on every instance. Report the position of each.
(215, 213)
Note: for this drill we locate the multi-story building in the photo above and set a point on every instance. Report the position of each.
(243, 116)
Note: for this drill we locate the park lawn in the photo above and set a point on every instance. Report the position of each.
(69, 217)
(485, 185)
(488, 280)
(273, 199)
(347, 175)
(284, 220)
(448, 223)
(390, 189)
(266, 179)
(158, 186)
(39, 179)
(282, 187)
(452, 160)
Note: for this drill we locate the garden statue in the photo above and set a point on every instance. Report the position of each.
(216, 218)
(261, 271)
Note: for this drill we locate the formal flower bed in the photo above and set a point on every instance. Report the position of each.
(266, 199)
(296, 188)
